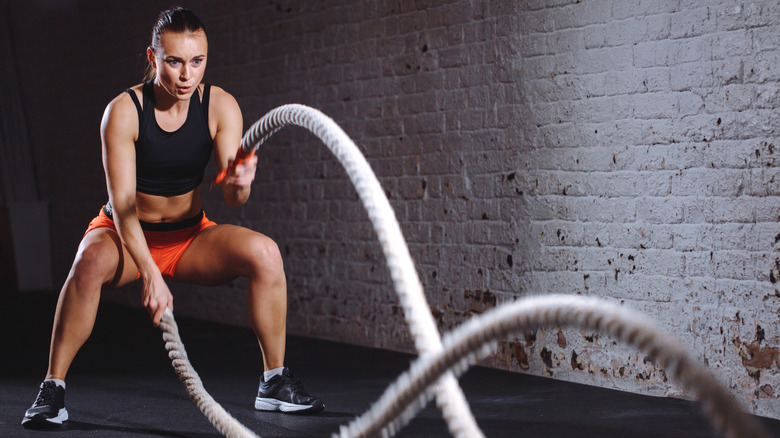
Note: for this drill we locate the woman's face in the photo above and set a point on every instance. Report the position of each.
(180, 62)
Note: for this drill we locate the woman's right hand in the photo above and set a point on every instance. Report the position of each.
(156, 297)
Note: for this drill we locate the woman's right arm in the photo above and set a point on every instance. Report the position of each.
(118, 131)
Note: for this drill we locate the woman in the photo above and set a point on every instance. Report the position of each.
(157, 138)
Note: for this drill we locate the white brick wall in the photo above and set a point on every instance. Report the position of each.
(653, 183)
(608, 148)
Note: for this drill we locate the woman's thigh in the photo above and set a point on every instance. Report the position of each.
(222, 253)
(101, 254)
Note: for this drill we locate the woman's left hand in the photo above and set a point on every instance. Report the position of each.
(241, 172)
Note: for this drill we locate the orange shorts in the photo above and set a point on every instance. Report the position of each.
(167, 241)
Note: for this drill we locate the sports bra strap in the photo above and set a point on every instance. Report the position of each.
(204, 107)
(135, 100)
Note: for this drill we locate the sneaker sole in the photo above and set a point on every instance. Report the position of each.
(40, 420)
(274, 405)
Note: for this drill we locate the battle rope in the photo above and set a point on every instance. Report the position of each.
(219, 417)
(440, 361)
(477, 338)
(407, 284)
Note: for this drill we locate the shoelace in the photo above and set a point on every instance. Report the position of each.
(47, 396)
(295, 385)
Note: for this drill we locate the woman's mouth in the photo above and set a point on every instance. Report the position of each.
(183, 90)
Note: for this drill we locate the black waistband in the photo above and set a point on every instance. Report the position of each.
(161, 226)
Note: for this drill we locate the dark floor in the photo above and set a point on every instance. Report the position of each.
(122, 385)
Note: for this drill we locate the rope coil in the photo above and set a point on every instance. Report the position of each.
(422, 326)
(477, 338)
(214, 412)
(442, 360)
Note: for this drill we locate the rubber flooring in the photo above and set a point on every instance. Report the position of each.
(122, 385)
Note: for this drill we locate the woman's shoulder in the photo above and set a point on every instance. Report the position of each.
(217, 93)
(138, 89)
(122, 108)
(124, 99)
(221, 102)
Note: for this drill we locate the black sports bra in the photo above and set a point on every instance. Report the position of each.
(171, 163)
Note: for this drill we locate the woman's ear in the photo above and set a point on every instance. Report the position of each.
(151, 57)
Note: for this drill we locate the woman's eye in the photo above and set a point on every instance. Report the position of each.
(172, 62)
(197, 61)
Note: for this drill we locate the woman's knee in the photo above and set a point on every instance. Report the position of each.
(97, 260)
(265, 258)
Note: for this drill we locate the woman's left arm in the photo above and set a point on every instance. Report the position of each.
(229, 125)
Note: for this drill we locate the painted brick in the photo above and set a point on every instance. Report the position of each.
(691, 22)
(639, 8)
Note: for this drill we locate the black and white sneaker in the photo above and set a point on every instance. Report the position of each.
(285, 393)
(49, 407)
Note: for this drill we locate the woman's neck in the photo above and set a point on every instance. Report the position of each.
(163, 101)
